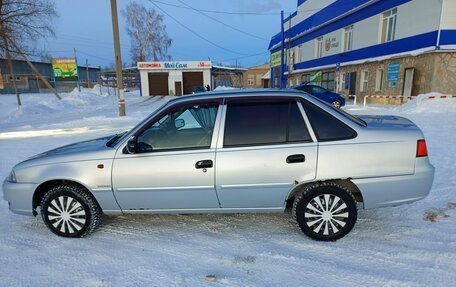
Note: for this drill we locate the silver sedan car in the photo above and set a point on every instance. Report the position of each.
(230, 152)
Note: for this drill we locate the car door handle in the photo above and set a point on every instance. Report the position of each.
(204, 164)
(296, 158)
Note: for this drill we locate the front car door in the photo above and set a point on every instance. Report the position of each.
(173, 166)
(264, 149)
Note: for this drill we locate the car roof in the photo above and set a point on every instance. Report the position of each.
(237, 92)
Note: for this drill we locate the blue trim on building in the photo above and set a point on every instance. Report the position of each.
(330, 12)
(289, 17)
(447, 37)
(394, 47)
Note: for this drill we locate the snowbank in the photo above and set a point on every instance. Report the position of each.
(222, 88)
(422, 103)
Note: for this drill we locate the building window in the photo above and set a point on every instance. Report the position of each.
(364, 81)
(379, 81)
(389, 19)
(297, 54)
(250, 81)
(348, 38)
(327, 80)
(258, 79)
(319, 48)
(306, 78)
(341, 86)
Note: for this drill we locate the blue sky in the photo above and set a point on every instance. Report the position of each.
(86, 26)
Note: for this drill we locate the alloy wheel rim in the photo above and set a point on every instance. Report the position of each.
(336, 104)
(66, 214)
(326, 214)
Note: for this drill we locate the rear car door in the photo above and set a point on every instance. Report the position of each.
(173, 167)
(263, 150)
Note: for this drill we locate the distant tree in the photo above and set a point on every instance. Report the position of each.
(147, 32)
(22, 23)
(45, 57)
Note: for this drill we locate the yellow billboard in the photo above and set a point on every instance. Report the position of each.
(64, 68)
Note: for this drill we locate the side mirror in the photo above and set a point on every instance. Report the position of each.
(132, 145)
(179, 123)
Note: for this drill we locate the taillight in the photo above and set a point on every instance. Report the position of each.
(421, 149)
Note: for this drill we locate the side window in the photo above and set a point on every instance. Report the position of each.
(326, 127)
(318, 90)
(307, 89)
(185, 128)
(264, 123)
(297, 130)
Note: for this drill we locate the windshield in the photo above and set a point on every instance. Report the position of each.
(122, 136)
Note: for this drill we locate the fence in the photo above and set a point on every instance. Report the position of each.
(402, 98)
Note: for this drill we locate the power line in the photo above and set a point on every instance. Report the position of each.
(195, 33)
(220, 12)
(98, 57)
(244, 57)
(223, 23)
(250, 13)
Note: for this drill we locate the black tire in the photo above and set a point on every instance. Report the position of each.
(337, 104)
(325, 211)
(70, 211)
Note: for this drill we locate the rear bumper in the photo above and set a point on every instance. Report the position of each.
(19, 196)
(397, 190)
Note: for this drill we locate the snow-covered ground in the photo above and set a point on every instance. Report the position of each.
(411, 245)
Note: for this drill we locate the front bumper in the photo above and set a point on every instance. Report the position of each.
(19, 196)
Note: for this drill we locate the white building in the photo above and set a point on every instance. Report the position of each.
(174, 77)
(366, 47)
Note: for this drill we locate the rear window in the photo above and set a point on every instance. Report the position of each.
(264, 123)
(326, 127)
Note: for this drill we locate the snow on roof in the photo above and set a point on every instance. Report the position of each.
(229, 68)
(267, 76)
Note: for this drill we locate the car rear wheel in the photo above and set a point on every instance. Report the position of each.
(337, 104)
(325, 211)
(70, 211)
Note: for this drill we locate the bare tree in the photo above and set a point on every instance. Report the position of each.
(22, 23)
(147, 32)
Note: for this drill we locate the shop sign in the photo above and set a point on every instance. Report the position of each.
(315, 77)
(393, 71)
(276, 59)
(331, 43)
(174, 65)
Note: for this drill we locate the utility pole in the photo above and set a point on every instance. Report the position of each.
(77, 68)
(87, 74)
(282, 52)
(115, 30)
(11, 69)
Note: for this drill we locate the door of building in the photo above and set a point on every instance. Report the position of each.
(158, 84)
(191, 80)
(408, 82)
(352, 87)
(33, 85)
(178, 88)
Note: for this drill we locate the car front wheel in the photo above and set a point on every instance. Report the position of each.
(325, 211)
(70, 211)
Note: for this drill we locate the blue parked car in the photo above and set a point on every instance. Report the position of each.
(334, 99)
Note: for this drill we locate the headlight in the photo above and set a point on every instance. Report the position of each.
(11, 177)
